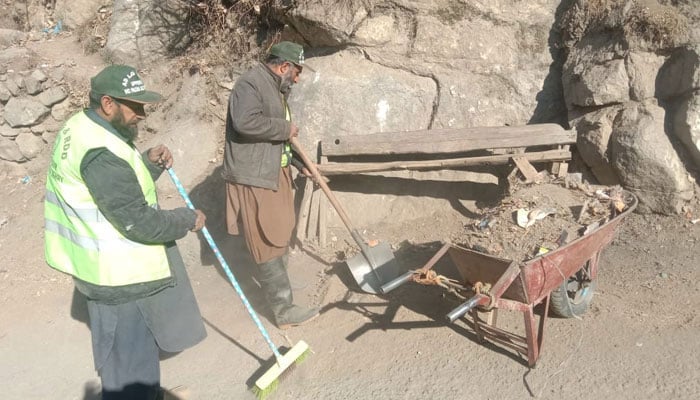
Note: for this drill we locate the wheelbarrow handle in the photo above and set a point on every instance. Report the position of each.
(477, 300)
(393, 284)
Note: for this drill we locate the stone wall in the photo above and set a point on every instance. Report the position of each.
(32, 107)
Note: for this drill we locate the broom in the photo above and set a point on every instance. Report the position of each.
(267, 383)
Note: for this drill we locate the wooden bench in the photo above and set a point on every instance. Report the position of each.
(515, 147)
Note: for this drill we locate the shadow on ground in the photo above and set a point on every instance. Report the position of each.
(432, 302)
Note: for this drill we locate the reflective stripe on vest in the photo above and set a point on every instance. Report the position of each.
(286, 154)
(79, 239)
(287, 149)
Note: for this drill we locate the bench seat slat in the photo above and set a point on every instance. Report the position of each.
(501, 159)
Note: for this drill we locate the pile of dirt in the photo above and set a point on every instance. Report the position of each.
(540, 217)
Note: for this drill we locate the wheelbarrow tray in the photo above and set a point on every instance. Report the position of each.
(538, 276)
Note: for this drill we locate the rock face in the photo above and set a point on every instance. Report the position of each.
(380, 99)
(686, 125)
(624, 74)
(490, 64)
(624, 59)
(646, 161)
(145, 31)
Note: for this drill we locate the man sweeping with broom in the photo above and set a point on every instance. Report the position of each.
(105, 228)
(256, 167)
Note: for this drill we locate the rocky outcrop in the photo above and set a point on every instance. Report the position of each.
(624, 59)
(407, 65)
(624, 74)
(146, 31)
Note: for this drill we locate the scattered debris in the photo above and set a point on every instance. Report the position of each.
(527, 218)
(543, 217)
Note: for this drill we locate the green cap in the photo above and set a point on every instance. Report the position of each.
(122, 82)
(290, 51)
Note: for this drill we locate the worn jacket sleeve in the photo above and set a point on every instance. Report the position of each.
(248, 115)
(117, 193)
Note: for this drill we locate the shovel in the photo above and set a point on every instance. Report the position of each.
(373, 266)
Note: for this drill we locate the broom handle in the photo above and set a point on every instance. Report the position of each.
(224, 265)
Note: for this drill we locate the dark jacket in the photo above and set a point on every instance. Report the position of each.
(256, 129)
(116, 191)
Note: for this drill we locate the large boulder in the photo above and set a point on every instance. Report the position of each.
(75, 13)
(373, 99)
(643, 69)
(592, 83)
(144, 31)
(680, 74)
(594, 131)
(646, 161)
(686, 125)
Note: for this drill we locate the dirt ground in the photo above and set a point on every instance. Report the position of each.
(639, 340)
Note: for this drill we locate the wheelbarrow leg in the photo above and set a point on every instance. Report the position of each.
(534, 339)
(543, 318)
(477, 323)
(531, 336)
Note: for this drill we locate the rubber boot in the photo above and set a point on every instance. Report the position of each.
(272, 276)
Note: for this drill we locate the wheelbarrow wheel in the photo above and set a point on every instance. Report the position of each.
(575, 294)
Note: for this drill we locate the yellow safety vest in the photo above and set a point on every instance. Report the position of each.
(79, 240)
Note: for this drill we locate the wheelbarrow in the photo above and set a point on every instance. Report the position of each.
(563, 278)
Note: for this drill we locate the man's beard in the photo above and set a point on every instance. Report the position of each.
(130, 132)
(287, 81)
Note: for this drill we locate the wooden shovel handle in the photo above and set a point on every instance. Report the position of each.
(311, 166)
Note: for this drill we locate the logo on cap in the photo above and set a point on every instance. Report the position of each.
(132, 86)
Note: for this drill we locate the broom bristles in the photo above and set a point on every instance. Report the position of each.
(268, 382)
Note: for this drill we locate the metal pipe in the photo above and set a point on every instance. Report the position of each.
(464, 308)
(393, 284)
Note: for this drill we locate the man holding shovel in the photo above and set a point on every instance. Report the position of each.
(256, 168)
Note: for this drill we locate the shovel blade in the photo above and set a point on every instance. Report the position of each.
(370, 276)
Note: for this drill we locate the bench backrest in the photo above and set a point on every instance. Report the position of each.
(446, 141)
